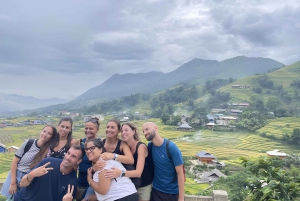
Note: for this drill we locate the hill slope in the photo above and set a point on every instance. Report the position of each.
(197, 69)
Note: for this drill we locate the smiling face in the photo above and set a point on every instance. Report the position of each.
(72, 158)
(127, 133)
(64, 128)
(92, 151)
(149, 130)
(91, 129)
(46, 134)
(112, 129)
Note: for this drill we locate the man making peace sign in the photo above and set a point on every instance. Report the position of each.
(49, 180)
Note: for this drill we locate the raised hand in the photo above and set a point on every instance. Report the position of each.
(69, 194)
(112, 173)
(40, 171)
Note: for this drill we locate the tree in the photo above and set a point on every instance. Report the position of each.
(269, 182)
(273, 103)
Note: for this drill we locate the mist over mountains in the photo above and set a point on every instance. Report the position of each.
(14, 102)
(197, 70)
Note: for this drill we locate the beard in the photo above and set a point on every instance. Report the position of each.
(151, 135)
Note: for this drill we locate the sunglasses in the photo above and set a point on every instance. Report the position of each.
(90, 148)
(93, 120)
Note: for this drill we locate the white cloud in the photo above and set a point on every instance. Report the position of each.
(78, 45)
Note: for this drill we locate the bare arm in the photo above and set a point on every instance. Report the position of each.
(180, 176)
(13, 175)
(127, 158)
(142, 153)
(40, 171)
(102, 186)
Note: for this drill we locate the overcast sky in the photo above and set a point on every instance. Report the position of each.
(63, 48)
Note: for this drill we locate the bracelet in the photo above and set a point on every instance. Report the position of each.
(28, 179)
(90, 182)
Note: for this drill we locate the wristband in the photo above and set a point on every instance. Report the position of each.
(90, 182)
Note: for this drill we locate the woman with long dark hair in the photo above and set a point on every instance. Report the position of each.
(142, 167)
(63, 140)
(30, 153)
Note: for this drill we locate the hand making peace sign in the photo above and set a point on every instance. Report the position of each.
(40, 171)
(69, 195)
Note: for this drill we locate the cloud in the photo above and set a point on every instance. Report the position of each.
(84, 43)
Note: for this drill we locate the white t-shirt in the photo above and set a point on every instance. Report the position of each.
(118, 189)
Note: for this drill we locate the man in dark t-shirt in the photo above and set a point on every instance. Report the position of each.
(49, 180)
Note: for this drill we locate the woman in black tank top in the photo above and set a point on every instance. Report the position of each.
(142, 165)
(116, 149)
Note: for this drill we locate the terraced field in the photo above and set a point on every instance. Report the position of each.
(281, 126)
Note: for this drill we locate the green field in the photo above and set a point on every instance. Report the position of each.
(226, 146)
(281, 126)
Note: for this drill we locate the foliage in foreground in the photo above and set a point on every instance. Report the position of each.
(269, 181)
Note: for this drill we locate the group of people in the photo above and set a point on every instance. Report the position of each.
(58, 167)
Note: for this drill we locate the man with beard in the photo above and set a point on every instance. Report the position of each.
(51, 178)
(168, 182)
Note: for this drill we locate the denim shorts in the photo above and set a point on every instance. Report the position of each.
(6, 185)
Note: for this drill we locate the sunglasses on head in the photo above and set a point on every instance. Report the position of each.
(90, 148)
(93, 120)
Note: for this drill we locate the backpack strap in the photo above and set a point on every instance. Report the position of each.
(28, 145)
(168, 151)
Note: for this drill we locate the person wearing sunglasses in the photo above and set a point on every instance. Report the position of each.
(121, 188)
(64, 140)
(91, 129)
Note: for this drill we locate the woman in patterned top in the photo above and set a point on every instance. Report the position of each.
(30, 153)
(63, 140)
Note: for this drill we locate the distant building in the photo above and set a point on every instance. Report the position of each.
(276, 153)
(12, 149)
(205, 157)
(210, 125)
(185, 127)
(212, 176)
(2, 148)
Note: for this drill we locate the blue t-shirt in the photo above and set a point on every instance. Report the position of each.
(164, 169)
(49, 187)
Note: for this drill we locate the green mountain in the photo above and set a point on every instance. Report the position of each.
(197, 70)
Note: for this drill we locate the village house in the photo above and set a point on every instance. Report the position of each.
(12, 149)
(210, 125)
(205, 157)
(276, 153)
(184, 127)
(211, 176)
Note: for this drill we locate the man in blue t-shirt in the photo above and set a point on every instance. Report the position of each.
(49, 180)
(165, 187)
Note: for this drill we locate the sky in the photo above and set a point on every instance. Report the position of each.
(63, 48)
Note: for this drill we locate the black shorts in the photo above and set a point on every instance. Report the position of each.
(161, 196)
(132, 197)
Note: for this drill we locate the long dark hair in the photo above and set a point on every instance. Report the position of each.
(43, 150)
(69, 137)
